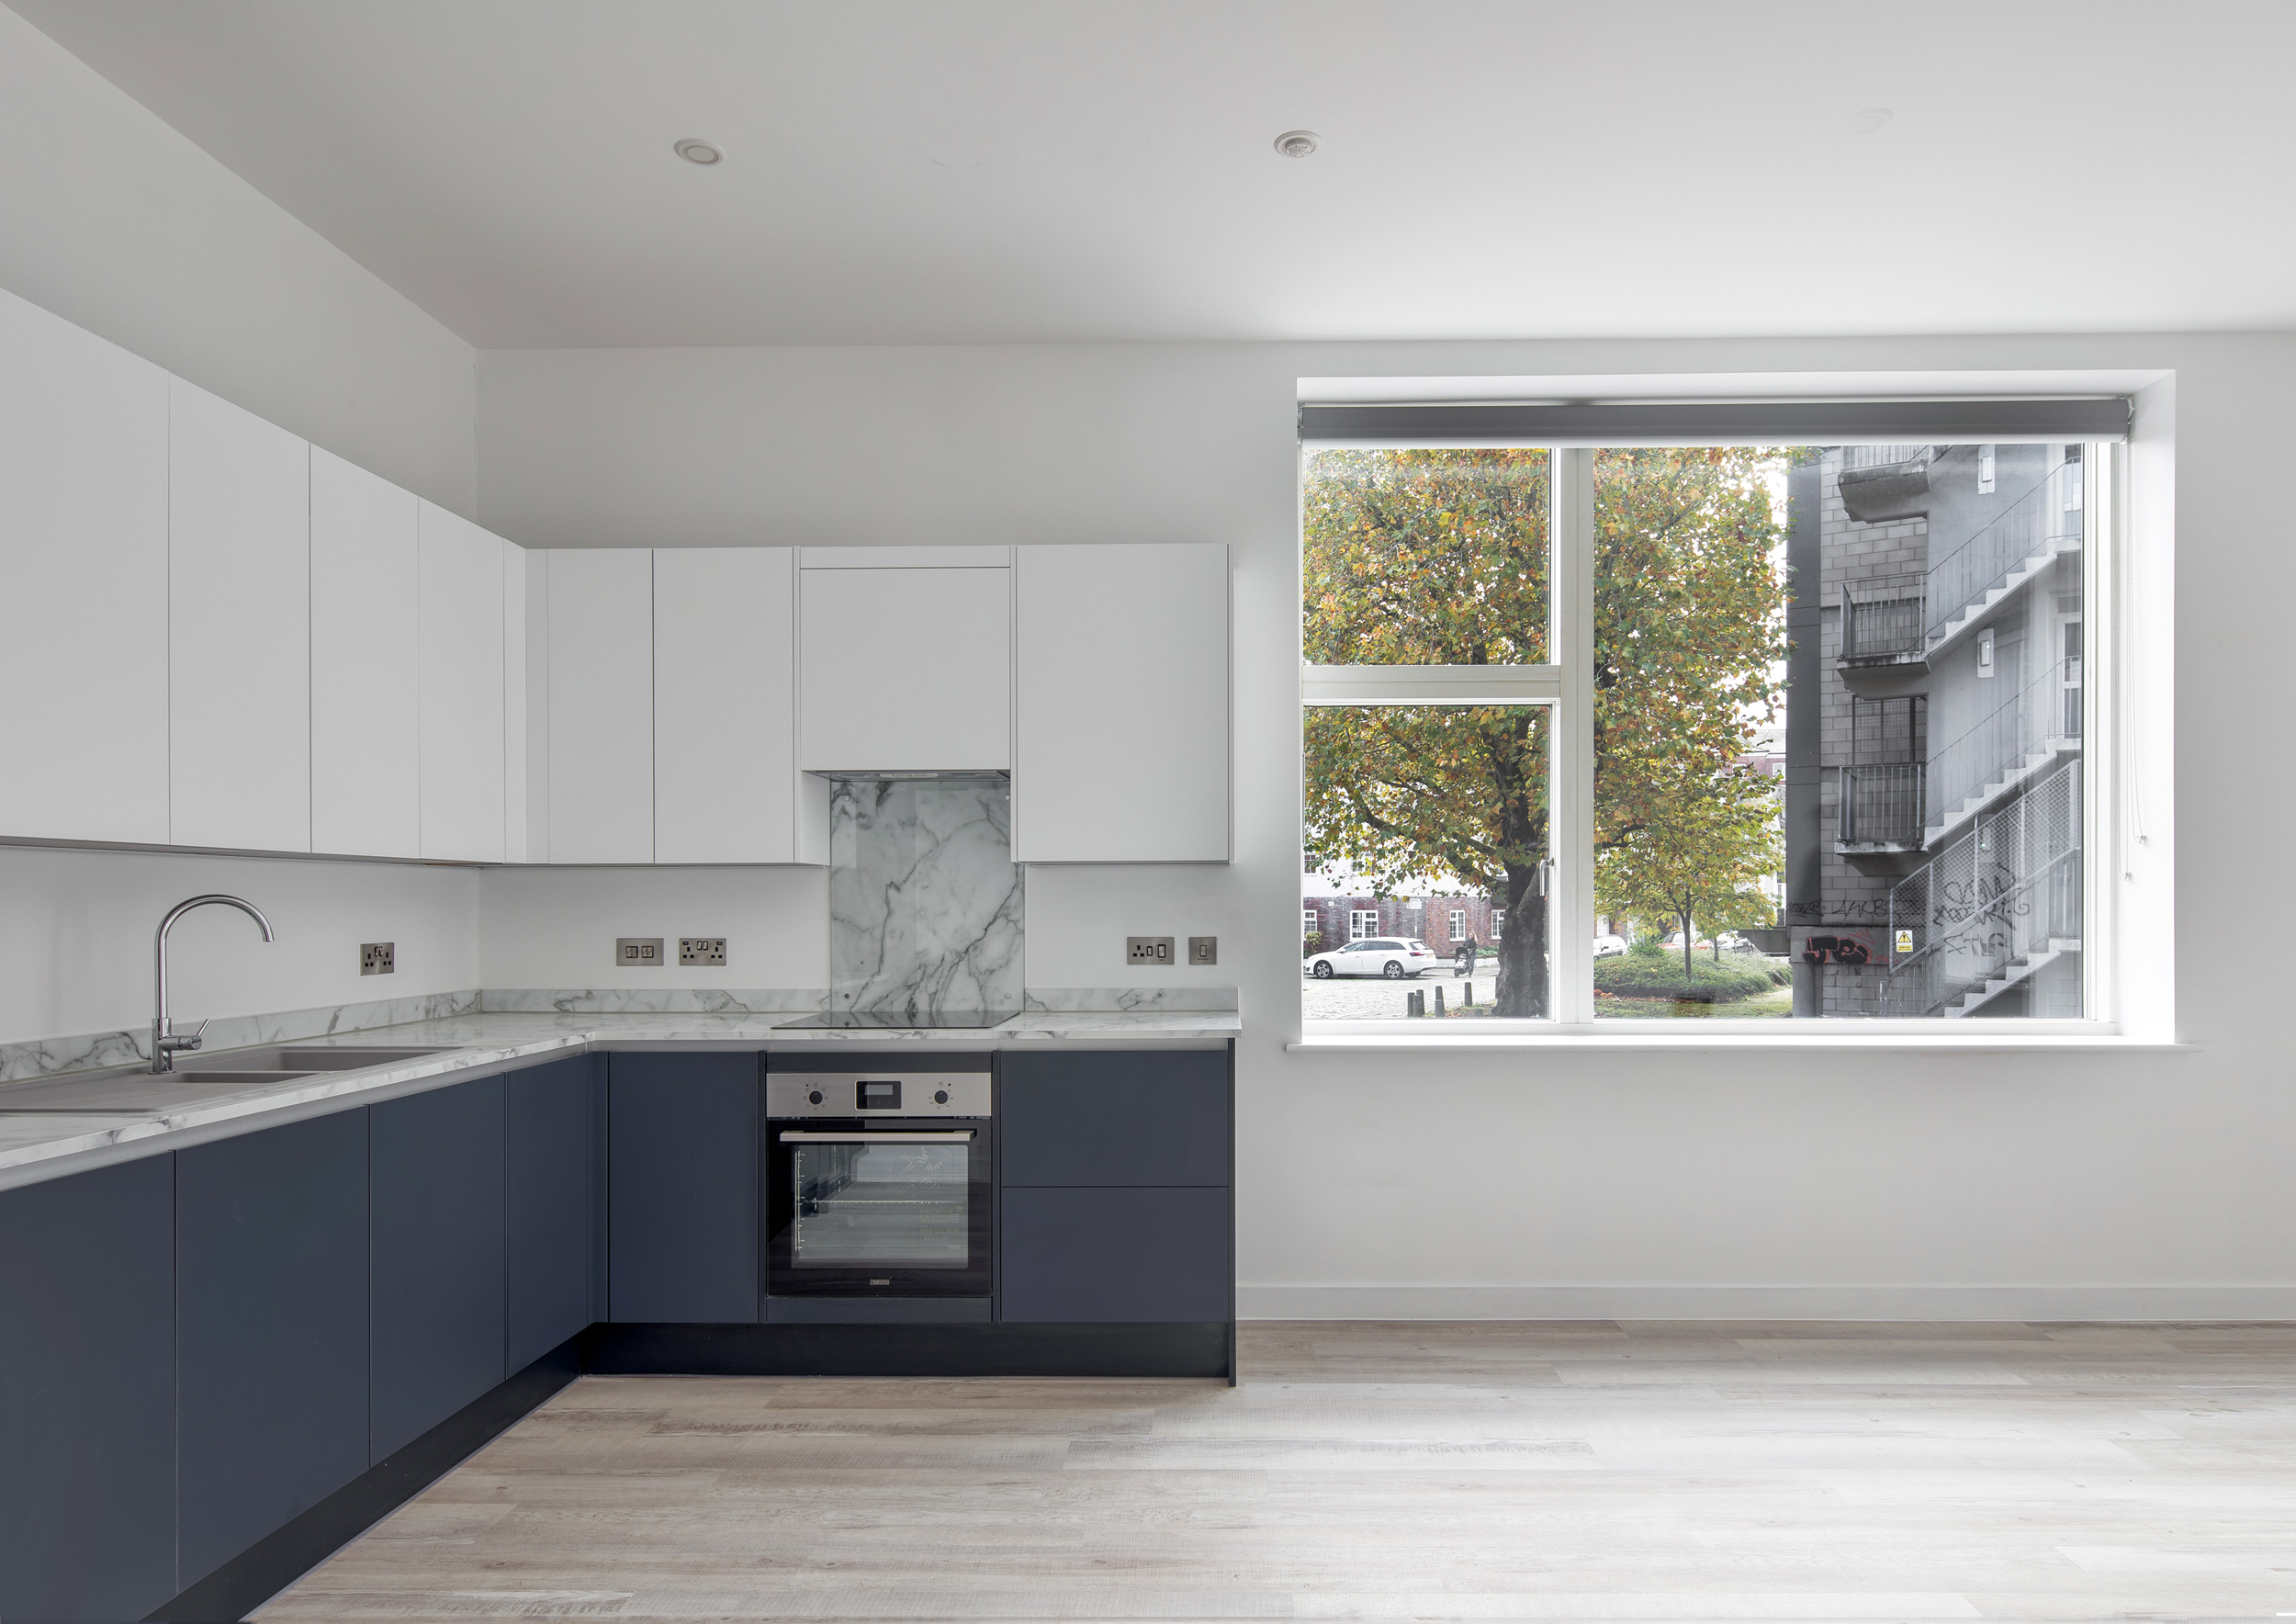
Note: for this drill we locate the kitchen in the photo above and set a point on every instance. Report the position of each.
(646, 671)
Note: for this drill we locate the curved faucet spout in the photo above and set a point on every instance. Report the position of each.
(165, 1046)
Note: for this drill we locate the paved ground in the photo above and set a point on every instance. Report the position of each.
(1370, 999)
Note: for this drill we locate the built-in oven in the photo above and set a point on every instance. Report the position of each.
(879, 1186)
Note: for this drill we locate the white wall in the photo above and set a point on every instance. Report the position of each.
(117, 223)
(555, 927)
(1626, 1182)
(76, 927)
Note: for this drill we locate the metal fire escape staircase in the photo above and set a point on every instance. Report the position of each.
(1992, 910)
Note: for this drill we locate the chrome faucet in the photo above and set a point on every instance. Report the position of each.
(164, 1045)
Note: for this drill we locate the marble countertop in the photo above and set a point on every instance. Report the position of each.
(56, 1132)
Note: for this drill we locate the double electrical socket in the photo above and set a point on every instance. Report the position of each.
(1157, 950)
(644, 952)
(377, 958)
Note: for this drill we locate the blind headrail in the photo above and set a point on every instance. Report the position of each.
(1725, 423)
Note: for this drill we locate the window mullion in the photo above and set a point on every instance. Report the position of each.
(1571, 775)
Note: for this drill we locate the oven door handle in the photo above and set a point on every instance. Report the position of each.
(807, 1136)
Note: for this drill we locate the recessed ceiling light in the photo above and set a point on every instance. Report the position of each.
(699, 152)
(1298, 143)
(1867, 121)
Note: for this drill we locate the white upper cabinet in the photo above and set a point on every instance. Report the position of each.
(1121, 712)
(600, 661)
(517, 842)
(366, 737)
(83, 574)
(239, 628)
(904, 660)
(724, 705)
(459, 666)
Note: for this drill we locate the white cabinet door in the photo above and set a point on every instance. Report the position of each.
(724, 705)
(83, 575)
(515, 712)
(904, 670)
(461, 688)
(239, 628)
(1121, 674)
(602, 705)
(366, 739)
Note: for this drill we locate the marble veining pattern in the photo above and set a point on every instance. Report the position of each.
(42, 1057)
(652, 1001)
(925, 900)
(1076, 999)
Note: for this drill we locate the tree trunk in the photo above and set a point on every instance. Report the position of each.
(1685, 920)
(1521, 949)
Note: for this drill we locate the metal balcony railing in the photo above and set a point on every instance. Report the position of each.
(2034, 721)
(2045, 520)
(1884, 618)
(2005, 893)
(1882, 805)
(1858, 459)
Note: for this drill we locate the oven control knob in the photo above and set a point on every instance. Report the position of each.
(814, 1098)
(940, 1096)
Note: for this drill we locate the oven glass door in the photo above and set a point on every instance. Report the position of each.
(880, 1210)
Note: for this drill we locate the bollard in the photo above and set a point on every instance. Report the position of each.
(1469, 999)
(1438, 1001)
(1414, 1003)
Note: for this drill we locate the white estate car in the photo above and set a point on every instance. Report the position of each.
(1392, 956)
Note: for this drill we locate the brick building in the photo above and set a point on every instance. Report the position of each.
(1442, 922)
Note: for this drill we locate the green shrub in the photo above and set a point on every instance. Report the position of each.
(1646, 947)
(1645, 975)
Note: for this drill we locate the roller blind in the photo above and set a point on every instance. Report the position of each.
(1725, 422)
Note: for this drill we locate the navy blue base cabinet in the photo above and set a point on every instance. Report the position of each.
(88, 1395)
(438, 1170)
(553, 1206)
(271, 1331)
(683, 1157)
(1115, 1204)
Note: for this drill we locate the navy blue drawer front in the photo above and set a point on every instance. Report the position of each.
(1138, 1255)
(438, 1174)
(547, 1276)
(88, 1395)
(683, 1157)
(271, 1331)
(1116, 1118)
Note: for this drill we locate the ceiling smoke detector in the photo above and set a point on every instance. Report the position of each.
(699, 152)
(1298, 143)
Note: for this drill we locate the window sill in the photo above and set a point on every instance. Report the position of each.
(1387, 1036)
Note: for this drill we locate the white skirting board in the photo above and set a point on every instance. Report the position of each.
(2171, 1304)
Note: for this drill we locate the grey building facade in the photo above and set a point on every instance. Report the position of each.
(1934, 732)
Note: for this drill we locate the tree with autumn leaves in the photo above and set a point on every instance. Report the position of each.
(1441, 557)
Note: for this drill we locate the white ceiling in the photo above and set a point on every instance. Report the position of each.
(954, 171)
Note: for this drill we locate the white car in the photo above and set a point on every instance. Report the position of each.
(1394, 957)
(1609, 947)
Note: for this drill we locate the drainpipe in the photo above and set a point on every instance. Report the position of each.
(1805, 770)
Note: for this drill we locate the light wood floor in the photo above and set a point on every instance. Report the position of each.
(1483, 1471)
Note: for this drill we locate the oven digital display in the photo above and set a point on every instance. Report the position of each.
(879, 1095)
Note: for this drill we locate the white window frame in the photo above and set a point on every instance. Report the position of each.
(1458, 924)
(1311, 923)
(1356, 930)
(1567, 685)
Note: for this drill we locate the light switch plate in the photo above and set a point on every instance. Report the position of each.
(701, 950)
(1203, 950)
(1148, 949)
(638, 952)
(377, 958)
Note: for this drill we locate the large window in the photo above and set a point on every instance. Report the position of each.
(1803, 725)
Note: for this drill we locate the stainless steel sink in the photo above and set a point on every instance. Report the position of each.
(303, 1058)
(138, 1091)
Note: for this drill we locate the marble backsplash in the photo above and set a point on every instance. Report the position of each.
(925, 900)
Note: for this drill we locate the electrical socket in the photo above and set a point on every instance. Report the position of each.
(638, 952)
(377, 958)
(1148, 949)
(1203, 950)
(701, 950)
